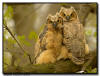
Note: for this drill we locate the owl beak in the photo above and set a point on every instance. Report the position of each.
(55, 24)
(68, 17)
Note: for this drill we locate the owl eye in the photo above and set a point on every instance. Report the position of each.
(59, 20)
(49, 21)
(64, 14)
(72, 15)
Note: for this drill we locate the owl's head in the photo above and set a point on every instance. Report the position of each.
(68, 14)
(54, 21)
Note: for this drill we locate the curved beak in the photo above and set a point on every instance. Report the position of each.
(68, 17)
(54, 24)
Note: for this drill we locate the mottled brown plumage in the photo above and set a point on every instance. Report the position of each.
(73, 33)
(63, 37)
(52, 41)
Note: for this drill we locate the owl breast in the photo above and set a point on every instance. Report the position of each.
(74, 39)
(77, 48)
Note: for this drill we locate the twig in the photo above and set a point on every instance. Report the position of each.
(18, 43)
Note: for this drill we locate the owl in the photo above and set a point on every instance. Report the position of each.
(49, 46)
(40, 44)
(73, 35)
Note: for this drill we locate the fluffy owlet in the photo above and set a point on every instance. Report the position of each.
(50, 45)
(73, 35)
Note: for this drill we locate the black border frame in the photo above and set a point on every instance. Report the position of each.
(97, 28)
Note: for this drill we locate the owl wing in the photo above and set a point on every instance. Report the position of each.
(74, 42)
(41, 43)
(84, 40)
(43, 33)
(79, 45)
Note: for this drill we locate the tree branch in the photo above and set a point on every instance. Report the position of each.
(6, 27)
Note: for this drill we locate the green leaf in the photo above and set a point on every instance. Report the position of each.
(25, 54)
(33, 35)
(95, 34)
(17, 62)
(94, 70)
(4, 22)
(88, 32)
(9, 12)
(7, 59)
(27, 43)
(90, 70)
(23, 40)
(11, 40)
(21, 37)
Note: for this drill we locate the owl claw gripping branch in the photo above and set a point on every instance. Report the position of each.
(62, 38)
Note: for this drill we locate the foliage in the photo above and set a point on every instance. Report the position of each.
(95, 34)
(7, 59)
(23, 40)
(9, 12)
(17, 62)
(33, 35)
(88, 32)
(90, 70)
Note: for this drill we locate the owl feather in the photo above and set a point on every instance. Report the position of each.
(52, 39)
(73, 33)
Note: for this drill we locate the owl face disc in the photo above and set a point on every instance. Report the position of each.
(68, 14)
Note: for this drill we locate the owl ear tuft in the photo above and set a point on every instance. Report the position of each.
(61, 10)
(74, 11)
(72, 7)
(49, 16)
(57, 14)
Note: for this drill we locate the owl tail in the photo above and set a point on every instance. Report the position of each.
(76, 60)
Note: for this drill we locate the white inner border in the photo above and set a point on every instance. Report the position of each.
(27, 1)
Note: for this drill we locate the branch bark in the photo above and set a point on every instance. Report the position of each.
(61, 67)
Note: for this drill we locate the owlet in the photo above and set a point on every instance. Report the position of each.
(50, 45)
(73, 35)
